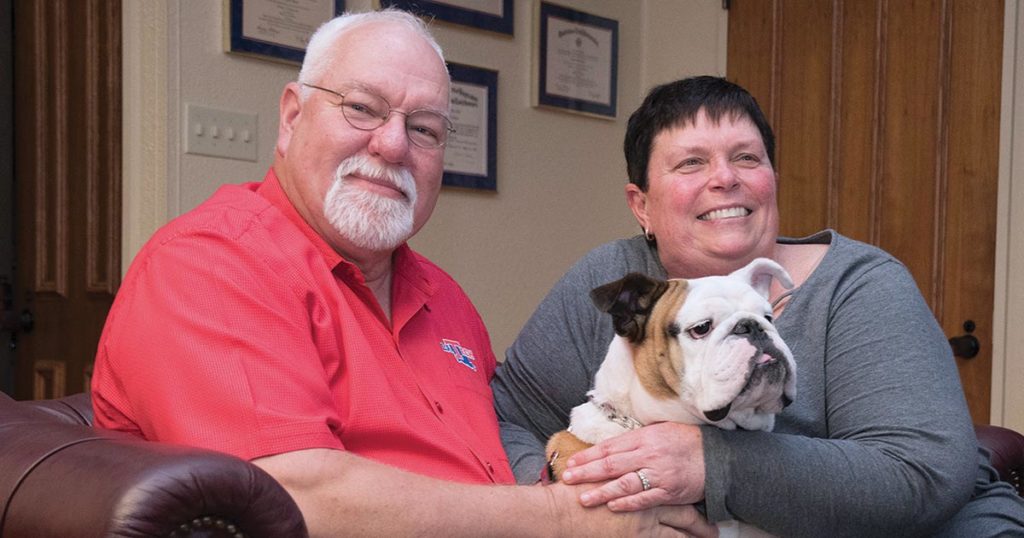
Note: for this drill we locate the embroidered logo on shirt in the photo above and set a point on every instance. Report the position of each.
(462, 355)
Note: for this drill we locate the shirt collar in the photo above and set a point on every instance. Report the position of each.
(272, 191)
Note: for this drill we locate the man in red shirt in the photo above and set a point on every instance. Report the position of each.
(288, 323)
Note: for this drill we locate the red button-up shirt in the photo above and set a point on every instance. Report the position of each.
(239, 329)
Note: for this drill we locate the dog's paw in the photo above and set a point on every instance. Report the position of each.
(561, 447)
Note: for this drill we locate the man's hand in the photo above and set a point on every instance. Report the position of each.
(667, 521)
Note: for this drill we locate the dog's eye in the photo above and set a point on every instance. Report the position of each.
(700, 330)
(769, 318)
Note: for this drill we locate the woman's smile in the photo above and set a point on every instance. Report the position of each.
(726, 213)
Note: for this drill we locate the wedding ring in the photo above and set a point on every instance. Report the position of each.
(646, 484)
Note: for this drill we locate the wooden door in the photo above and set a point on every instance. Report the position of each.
(67, 166)
(887, 118)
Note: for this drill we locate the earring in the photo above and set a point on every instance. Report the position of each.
(648, 235)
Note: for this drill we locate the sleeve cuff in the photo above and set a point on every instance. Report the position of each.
(717, 455)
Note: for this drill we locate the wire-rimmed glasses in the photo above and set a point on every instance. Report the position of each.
(367, 111)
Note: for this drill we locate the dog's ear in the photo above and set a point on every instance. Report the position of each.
(629, 300)
(759, 273)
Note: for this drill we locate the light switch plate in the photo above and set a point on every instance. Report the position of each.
(220, 133)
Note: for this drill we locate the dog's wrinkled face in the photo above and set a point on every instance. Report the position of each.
(707, 343)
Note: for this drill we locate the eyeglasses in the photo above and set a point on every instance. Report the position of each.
(366, 111)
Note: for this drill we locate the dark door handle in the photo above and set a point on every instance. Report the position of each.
(26, 321)
(965, 346)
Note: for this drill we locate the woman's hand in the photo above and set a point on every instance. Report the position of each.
(669, 455)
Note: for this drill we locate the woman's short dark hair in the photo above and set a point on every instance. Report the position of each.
(676, 104)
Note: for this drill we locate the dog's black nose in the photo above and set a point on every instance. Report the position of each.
(747, 326)
(715, 415)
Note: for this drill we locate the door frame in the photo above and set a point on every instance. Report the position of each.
(148, 125)
(1008, 368)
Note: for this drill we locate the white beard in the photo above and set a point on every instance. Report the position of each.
(369, 220)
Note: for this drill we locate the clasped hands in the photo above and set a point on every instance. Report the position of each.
(671, 458)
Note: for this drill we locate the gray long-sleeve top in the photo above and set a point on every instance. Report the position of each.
(878, 442)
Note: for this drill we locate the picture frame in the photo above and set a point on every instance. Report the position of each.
(274, 30)
(470, 159)
(491, 15)
(578, 61)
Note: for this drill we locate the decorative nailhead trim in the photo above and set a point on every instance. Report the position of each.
(207, 523)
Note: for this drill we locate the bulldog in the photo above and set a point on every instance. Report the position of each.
(696, 351)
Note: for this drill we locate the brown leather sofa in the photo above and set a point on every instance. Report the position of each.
(1006, 452)
(59, 477)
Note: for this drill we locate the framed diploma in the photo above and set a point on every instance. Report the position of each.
(276, 29)
(493, 15)
(470, 159)
(578, 61)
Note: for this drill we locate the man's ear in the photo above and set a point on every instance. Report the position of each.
(629, 300)
(289, 112)
(637, 200)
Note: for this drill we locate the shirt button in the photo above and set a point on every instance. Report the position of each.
(490, 468)
(437, 405)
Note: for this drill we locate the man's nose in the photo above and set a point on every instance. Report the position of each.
(390, 141)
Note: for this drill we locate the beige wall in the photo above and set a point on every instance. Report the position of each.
(560, 175)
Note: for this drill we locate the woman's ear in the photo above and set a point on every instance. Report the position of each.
(637, 200)
(289, 113)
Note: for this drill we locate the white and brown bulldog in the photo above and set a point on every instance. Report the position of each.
(698, 351)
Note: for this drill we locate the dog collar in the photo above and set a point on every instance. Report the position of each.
(615, 416)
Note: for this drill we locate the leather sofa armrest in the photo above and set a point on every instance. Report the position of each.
(74, 409)
(1006, 452)
(63, 479)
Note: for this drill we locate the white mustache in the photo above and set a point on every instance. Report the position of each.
(369, 219)
(397, 177)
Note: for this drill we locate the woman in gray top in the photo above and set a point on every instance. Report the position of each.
(878, 442)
